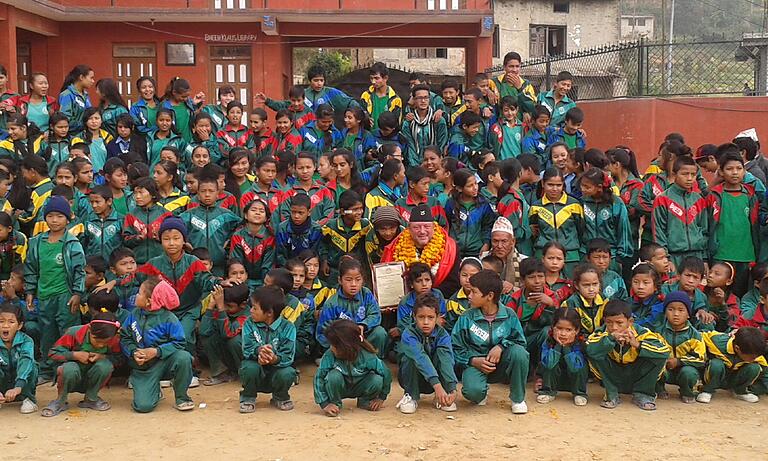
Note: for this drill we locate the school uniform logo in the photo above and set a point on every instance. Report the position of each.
(589, 213)
(198, 223)
(604, 214)
(343, 315)
(479, 332)
(311, 138)
(675, 208)
(463, 215)
(59, 259)
(361, 312)
(257, 336)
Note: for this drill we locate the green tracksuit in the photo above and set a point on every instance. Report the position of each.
(420, 133)
(680, 223)
(339, 240)
(109, 115)
(218, 116)
(55, 315)
(158, 329)
(277, 378)
(562, 221)
(556, 109)
(474, 336)
(102, 236)
(211, 228)
(506, 141)
(608, 221)
(470, 224)
(366, 379)
(614, 286)
(303, 319)
(725, 369)
(141, 231)
(591, 315)
(223, 342)
(18, 367)
(691, 354)
(536, 320)
(363, 309)
(425, 360)
(563, 368)
(625, 369)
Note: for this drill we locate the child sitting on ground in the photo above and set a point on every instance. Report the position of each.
(86, 356)
(691, 274)
(269, 345)
(350, 369)
(18, 371)
(224, 346)
(419, 279)
(426, 358)
(563, 364)
(627, 358)
(153, 340)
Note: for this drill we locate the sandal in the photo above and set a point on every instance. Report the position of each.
(611, 403)
(98, 405)
(247, 407)
(644, 402)
(283, 405)
(54, 408)
(185, 406)
(218, 379)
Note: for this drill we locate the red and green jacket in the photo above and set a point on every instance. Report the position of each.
(289, 141)
(211, 228)
(630, 195)
(680, 221)
(322, 203)
(262, 144)
(232, 136)
(78, 338)
(141, 231)
(189, 277)
(514, 207)
(21, 102)
(715, 204)
(535, 317)
(228, 325)
(225, 200)
(299, 118)
(256, 252)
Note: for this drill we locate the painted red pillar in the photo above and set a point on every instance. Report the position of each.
(8, 43)
(479, 56)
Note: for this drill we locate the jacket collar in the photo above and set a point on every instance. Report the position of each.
(562, 200)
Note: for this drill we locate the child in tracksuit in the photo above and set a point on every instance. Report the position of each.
(489, 344)
(426, 358)
(679, 220)
(611, 283)
(350, 369)
(298, 233)
(506, 135)
(253, 243)
(306, 321)
(587, 301)
(646, 300)
(420, 280)
(344, 235)
(153, 340)
(468, 137)
(458, 303)
(627, 358)
(295, 311)
(605, 215)
(210, 226)
(269, 345)
(224, 344)
(355, 302)
(563, 365)
(688, 350)
(18, 370)
(470, 216)
(735, 362)
(85, 356)
(55, 274)
(142, 223)
(102, 230)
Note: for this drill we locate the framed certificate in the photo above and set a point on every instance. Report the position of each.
(388, 283)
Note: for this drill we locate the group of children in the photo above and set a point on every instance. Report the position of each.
(146, 242)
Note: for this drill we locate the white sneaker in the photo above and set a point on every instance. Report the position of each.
(165, 383)
(748, 397)
(704, 397)
(449, 408)
(519, 408)
(27, 407)
(195, 382)
(483, 402)
(407, 405)
(579, 400)
(545, 398)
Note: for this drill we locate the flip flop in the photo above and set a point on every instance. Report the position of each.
(247, 407)
(644, 402)
(610, 404)
(185, 406)
(54, 408)
(97, 405)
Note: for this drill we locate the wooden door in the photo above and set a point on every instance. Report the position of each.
(231, 65)
(23, 64)
(129, 62)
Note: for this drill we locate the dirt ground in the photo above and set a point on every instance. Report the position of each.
(725, 429)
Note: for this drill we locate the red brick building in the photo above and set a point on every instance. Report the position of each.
(245, 43)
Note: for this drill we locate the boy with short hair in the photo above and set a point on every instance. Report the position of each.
(489, 351)
(102, 232)
(299, 108)
(122, 267)
(688, 351)
(380, 97)
(388, 131)
(422, 128)
(626, 358)
(450, 91)
(736, 362)
(506, 135)
(511, 83)
(261, 139)
(298, 233)
(55, 274)
(599, 254)
(691, 274)
(269, 345)
(658, 257)
(557, 100)
(570, 133)
(224, 346)
(141, 224)
(679, 220)
(467, 138)
(536, 140)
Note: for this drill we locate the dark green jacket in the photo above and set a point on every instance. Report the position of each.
(281, 334)
(474, 336)
(679, 220)
(608, 221)
(74, 263)
(102, 236)
(19, 360)
(211, 228)
(425, 351)
(365, 364)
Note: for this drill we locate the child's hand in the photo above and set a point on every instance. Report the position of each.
(217, 295)
(438, 115)
(81, 356)
(30, 302)
(632, 338)
(442, 397)
(94, 357)
(508, 287)
(138, 357)
(375, 405)
(487, 112)
(331, 410)
(705, 317)
(441, 321)
(394, 332)
(11, 394)
(199, 98)
(8, 290)
(671, 363)
(494, 355)
(620, 337)
(109, 286)
(74, 303)
(259, 100)
(544, 300)
(482, 364)
(718, 296)
(325, 269)
(2, 398)
(409, 116)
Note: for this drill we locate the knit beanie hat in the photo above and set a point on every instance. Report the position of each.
(385, 215)
(680, 297)
(163, 296)
(421, 213)
(172, 222)
(58, 204)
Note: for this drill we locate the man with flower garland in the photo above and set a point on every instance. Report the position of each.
(425, 241)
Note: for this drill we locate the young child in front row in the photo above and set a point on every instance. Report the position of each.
(646, 298)
(563, 364)
(691, 274)
(688, 351)
(269, 345)
(626, 357)
(224, 346)
(18, 370)
(722, 304)
(587, 301)
(153, 340)
(736, 362)
(426, 358)
(350, 368)
(489, 344)
(599, 254)
(419, 279)
(459, 301)
(86, 356)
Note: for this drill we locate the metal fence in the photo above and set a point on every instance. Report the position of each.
(642, 68)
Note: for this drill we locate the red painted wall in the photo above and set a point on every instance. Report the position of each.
(642, 124)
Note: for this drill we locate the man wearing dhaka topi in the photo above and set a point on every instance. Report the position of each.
(425, 241)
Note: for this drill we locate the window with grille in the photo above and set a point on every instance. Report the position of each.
(427, 53)
(562, 6)
(231, 4)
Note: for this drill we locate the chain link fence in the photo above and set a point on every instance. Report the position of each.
(641, 68)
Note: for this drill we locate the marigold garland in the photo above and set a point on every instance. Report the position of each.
(405, 249)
